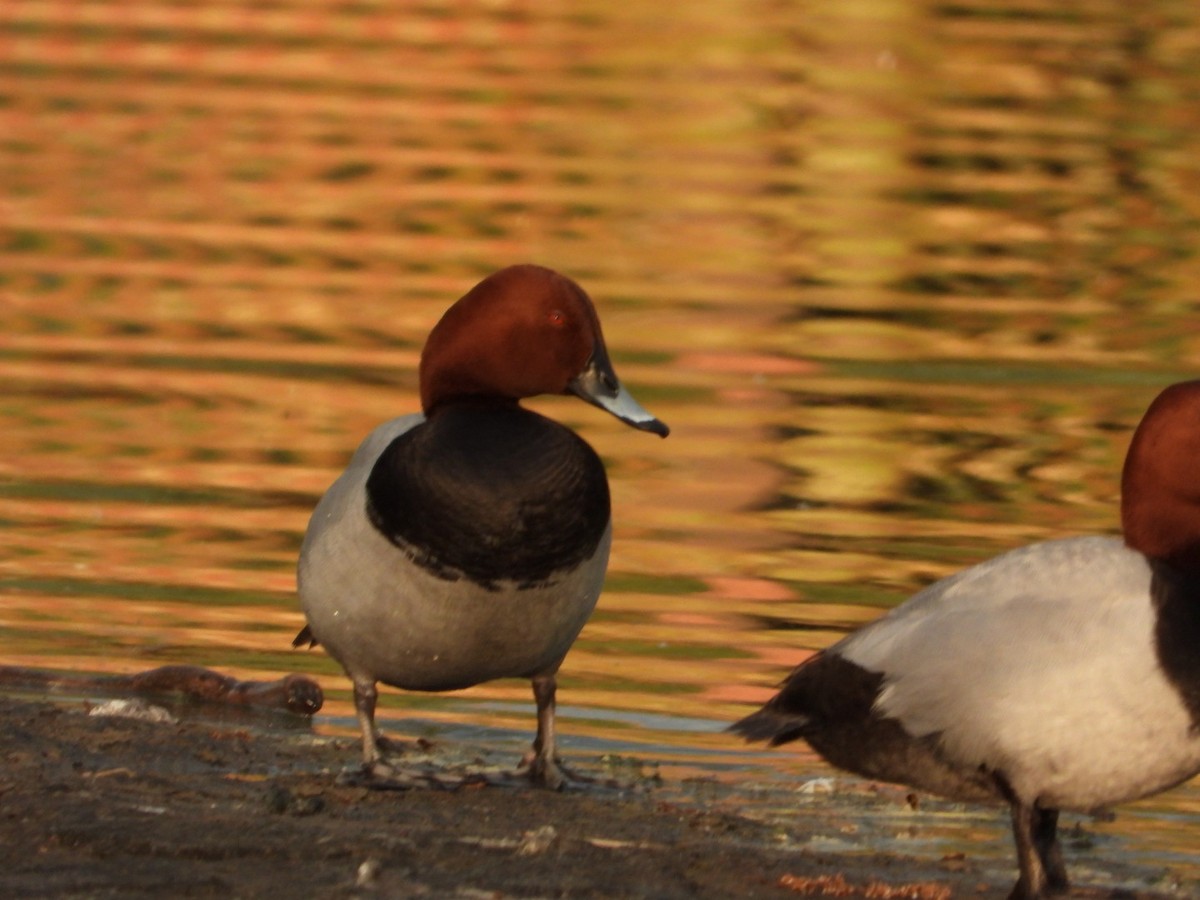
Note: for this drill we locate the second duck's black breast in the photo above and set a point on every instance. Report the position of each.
(492, 494)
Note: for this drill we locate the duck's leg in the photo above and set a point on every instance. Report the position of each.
(392, 774)
(365, 696)
(542, 761)
(1038, 853)
(1045, 840)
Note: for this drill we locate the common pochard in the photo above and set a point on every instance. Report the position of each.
(1061, 675)
(469, 542)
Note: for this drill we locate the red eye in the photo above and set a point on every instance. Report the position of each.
(556, 318)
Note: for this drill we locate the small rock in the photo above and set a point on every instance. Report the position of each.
(308, 806)
(133, 709)
(280, 800)
(537, 841)
(817, 786)
(368, 872)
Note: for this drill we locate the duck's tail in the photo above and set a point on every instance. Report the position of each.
(824, 690)
(771, 724)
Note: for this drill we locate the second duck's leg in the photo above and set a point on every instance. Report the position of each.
(1045, 841)
(1042, 872)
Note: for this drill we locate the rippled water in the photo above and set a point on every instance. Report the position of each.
(901, 277)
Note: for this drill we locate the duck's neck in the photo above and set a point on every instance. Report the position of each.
(473, 403)
(1163, 526)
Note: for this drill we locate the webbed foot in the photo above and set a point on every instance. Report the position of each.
(550, 772)
(393, 774)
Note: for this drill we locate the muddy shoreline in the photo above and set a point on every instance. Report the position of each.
(109, 806)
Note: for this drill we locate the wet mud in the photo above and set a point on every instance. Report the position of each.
(101, 805)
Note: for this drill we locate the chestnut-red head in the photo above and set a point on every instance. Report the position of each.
(523, 331)
(1160, 484)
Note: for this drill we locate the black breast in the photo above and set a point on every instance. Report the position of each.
(490, 494)
(1176, 600)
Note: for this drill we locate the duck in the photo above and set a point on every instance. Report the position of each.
(1061, 675)
(469, 541)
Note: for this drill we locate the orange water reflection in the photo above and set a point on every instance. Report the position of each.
(900, 277)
